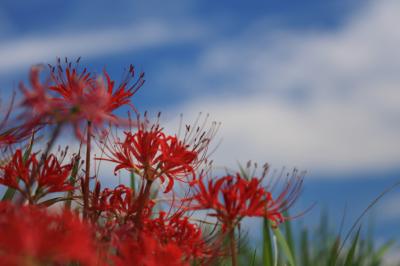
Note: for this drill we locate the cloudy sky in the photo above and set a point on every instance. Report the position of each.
(308, 84)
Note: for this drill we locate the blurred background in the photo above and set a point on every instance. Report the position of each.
(308, 84)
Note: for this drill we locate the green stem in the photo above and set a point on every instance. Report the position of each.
(50, 144)
(232, 241)
(143, 198)
(87, 171)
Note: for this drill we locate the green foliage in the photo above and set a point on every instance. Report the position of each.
(267, 244)
(315, 247)
(284, 246)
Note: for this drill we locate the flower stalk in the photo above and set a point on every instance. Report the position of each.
(142, 202)
(232, 242)
(87, 171)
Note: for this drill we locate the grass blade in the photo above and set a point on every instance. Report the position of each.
(284, 246)
(72, 179)
(243, 172)
(289, 235)
(352, 251)
(333, 252)
(132, 179)
(304, 246)
(253, 260)
(267, 244)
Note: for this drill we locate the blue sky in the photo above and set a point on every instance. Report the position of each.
(312, 84)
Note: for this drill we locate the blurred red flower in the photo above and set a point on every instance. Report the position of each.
(77, 97)
(14, 133)
(32, 236)
(146, 250)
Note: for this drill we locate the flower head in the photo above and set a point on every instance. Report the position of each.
(77, 96)
(118, 205)
(51, 177)
(178, 230)
(231, 198)
(153, 154)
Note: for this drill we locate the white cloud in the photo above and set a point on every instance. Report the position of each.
(346, 118)
(20, 53)
(349, 115)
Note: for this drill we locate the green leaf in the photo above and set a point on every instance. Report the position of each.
(289, 235)
(72, 179)
(28, 151)
(132, 178)
(284, 246)
(253, 261)
(9, 194)
(267, 244)
(334, 252)
(243, 172)
(352, 251)
(304, 245)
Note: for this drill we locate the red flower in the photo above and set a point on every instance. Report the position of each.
(151, 154)
(40, 103)
(16, 133)
(233, 197)
(51, 177)
(177, 160)
(145, 250)
(32, 236)
(118, 204)
(77, 97)
(178, 230)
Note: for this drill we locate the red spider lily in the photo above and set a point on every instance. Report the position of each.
(178, 230)
(51, 177)
(14, 135)
(233, 197)
(146, 250)
(11, 135)
(177, 159)
(38, 99)
(76, 97)
(152, 154)
(92, 99)
(117, 205)
(139, 151)
(32, 236)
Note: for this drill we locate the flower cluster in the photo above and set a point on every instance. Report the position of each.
(232, 198)
(56, 212)
(49, 177)
(151, 153)
(76, 97)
